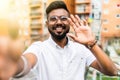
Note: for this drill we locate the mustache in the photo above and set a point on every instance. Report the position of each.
(59, 26)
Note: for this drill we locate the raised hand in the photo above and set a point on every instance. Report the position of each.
(83, 33)
(10, 52)
(7, 68)
(11, 48)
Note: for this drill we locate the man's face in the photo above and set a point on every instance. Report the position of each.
(58, 24)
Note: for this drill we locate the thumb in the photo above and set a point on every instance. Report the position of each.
(71, 36)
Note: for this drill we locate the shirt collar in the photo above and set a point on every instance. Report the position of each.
(52, 42)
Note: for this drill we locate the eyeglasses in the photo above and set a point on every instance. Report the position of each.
(54, 19)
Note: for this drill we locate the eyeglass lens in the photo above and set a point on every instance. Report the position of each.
(55, 18)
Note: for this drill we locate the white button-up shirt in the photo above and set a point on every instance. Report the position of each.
(56, 63)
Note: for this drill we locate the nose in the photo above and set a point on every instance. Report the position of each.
(58, 21)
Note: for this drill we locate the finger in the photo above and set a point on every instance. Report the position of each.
(75, 20)
(71, 36)
(72, 18)
(78, 22)
(81, 22)
(72, 24)
(85, 22)
(78, 19)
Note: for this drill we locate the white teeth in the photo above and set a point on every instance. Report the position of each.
(59, 28)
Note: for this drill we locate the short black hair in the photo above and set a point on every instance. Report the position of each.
(56, 5)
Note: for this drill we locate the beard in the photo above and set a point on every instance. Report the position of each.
(59, 35)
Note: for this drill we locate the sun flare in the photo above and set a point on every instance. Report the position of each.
(4, 7)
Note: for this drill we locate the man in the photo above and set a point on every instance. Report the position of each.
(59, 58)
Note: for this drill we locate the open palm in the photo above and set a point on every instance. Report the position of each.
(83, 33)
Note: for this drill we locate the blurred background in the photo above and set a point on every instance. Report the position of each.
(26, 20)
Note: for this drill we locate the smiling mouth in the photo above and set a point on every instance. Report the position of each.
(59, 29)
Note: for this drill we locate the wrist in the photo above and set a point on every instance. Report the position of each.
(24, 70)
(91, 44)
(118, 73)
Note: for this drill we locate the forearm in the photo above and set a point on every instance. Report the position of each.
(20, 66)
(25, 64)
(105, 63)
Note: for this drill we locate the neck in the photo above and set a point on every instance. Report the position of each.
(61, 42)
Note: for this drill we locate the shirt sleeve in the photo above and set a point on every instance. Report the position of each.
(35, 49)
(90, 58)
